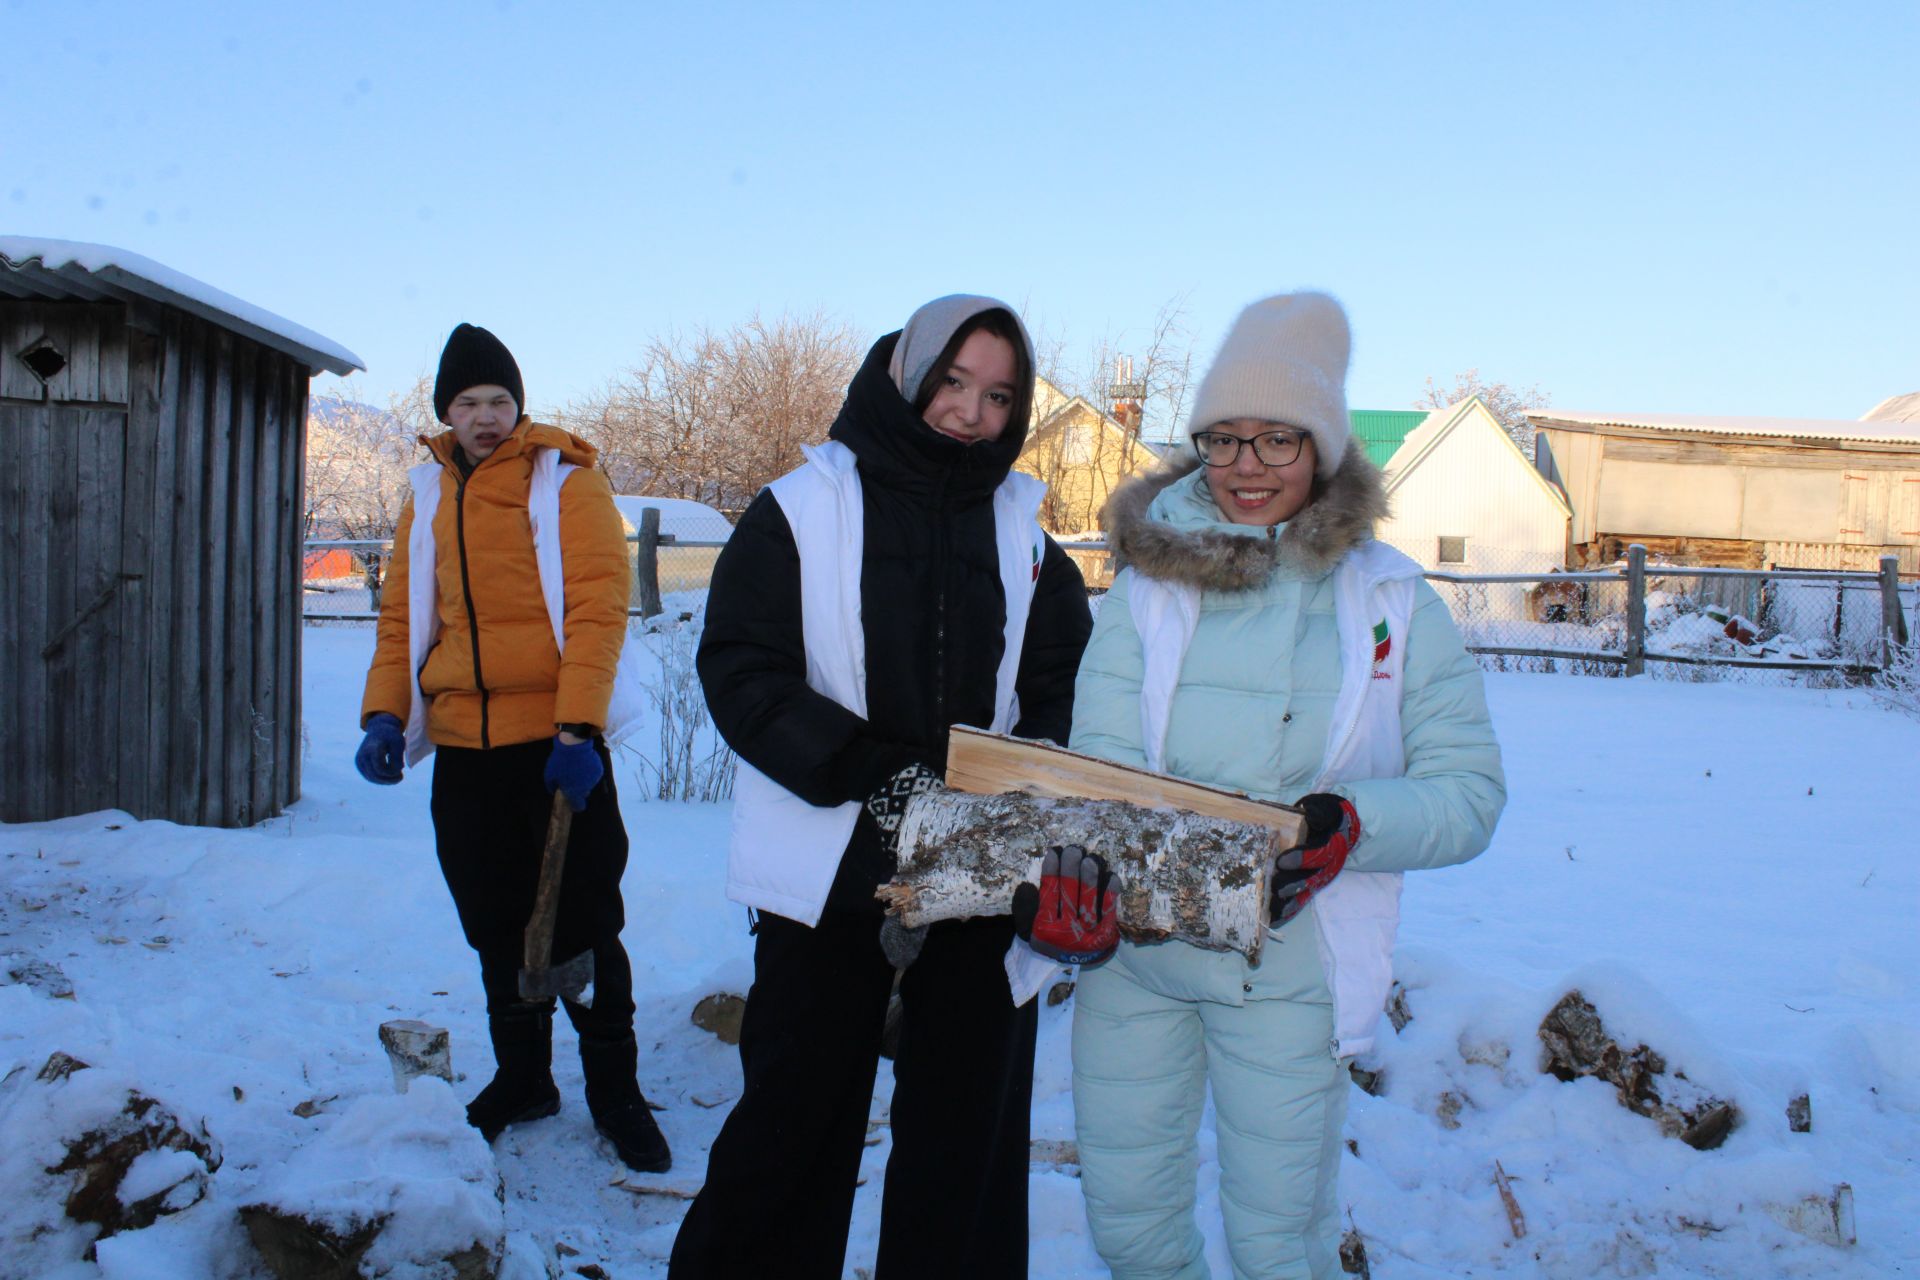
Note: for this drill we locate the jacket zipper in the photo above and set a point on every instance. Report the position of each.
(466, 591)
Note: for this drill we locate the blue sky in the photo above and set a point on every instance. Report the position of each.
(1682, 208)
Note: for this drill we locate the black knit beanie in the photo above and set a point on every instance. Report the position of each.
(475, 358)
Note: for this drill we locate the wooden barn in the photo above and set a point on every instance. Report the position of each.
(150, 525)
(1750, 493)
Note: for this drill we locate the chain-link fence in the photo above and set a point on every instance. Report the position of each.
(1683, 622)
(671, 557)
(1671, 621)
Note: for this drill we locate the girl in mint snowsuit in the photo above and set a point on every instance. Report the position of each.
(1260, 639)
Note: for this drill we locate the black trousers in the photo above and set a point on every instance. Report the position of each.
(490, 810)
(780, 1178)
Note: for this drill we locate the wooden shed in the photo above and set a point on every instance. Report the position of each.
(150, 525)
(1747, 493)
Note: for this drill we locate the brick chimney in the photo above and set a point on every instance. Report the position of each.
(1126, 397)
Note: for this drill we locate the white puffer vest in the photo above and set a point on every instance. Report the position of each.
(784, 852)
(423, 594)
(1359, 912)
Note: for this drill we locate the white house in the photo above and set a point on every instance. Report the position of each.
(681, 519)
(1466, 500)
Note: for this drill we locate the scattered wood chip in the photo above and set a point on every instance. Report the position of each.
(1061, 1155)
(1447, 1110)
(708, 1100)
(1487, 1053)
(592, 1271)
(1353, 1255)
(1516, 1220)
(1058, 994)
(662, 1190)
(239, 1094)
(720, 1013)
(1800, 1114)
(1372, 1080)
(313, 1106)
(1397, 1011)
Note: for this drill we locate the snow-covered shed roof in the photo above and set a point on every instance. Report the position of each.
(1895, 409)
(31, 267)
(682, 518)
(1783, 428)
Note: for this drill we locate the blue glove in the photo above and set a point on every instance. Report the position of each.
(382, 756)
(575, 769)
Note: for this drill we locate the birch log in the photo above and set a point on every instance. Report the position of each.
(1199, 879)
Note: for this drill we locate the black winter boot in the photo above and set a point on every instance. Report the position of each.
(522, 1087)
(620, 1112)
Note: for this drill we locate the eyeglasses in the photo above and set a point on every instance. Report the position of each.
(1275, 448)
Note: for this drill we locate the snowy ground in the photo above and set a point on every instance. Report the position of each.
(1728, 872)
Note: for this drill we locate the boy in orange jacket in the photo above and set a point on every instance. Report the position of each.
(513, 714)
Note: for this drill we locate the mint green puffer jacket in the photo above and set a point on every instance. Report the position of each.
(1252, 706)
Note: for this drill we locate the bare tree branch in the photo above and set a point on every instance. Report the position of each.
(1508, 403)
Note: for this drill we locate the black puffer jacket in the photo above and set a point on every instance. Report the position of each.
(932, 610)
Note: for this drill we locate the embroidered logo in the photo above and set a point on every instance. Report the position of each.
(1382, 646)
(1036, 562)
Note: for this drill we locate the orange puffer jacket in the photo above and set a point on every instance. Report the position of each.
(495, 677)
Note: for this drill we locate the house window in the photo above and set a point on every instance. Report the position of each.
(1452, 550)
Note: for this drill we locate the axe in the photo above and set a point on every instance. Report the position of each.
(540, 978)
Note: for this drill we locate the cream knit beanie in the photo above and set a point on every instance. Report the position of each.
(1285, 360)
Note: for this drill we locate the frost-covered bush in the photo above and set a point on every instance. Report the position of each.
(1899, 685)
(689, 761)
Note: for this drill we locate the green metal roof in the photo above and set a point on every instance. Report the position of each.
(1382, 430)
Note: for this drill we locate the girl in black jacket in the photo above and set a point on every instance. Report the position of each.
(948, 552)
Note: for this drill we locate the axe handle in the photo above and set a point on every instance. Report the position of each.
(546, 899)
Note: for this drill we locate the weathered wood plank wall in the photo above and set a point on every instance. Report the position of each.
(151, 608)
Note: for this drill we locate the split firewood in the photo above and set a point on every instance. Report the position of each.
(1180, 875)
(1190, 861)
(416, 1049)
(1516, 1220)
(986, 764)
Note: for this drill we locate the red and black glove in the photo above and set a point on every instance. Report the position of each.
(1074, 916)
(1333, 828)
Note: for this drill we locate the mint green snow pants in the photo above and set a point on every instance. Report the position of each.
(1144, 1051)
